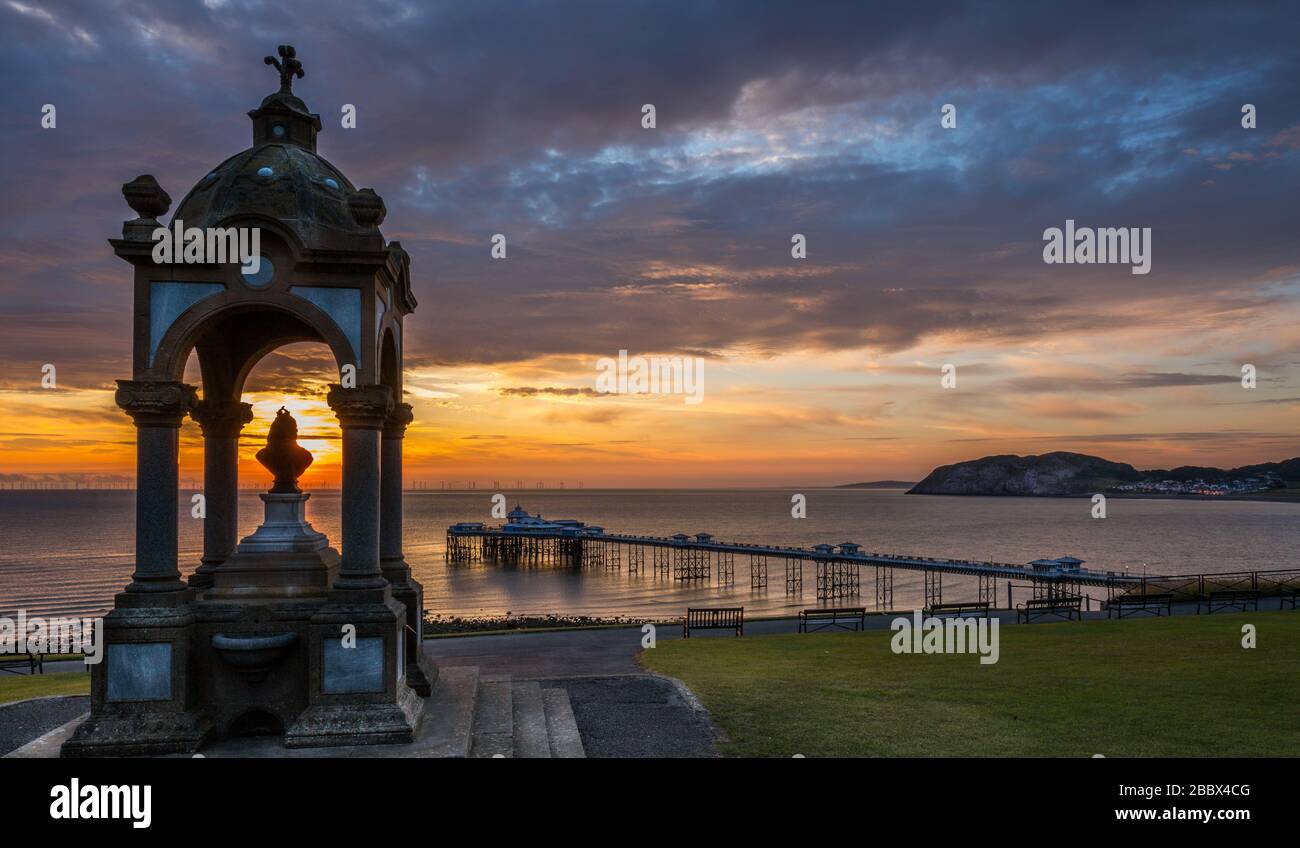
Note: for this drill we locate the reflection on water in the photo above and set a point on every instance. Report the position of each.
(71, 551)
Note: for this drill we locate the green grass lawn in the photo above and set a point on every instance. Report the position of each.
(1180, 686)
(16, 687)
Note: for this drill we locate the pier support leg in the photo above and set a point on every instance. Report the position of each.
(884, 588)
(933, 588)
(794, 576)
(726, 568)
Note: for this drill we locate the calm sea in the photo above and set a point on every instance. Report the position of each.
(70, 551)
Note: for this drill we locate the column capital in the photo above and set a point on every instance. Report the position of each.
(363, 408)
(157, 403)
(398, 420)
(221, 418)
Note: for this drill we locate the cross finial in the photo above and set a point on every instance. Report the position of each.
(288, 69)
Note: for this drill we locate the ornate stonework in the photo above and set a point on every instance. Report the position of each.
(156, 404)
(364, 407)
(288, 66)
(398, 420)
(146, 197)
(253, 642)
(368, 208)
(221, 419)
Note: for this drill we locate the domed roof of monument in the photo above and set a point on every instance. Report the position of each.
(283, 181)
(281, 175)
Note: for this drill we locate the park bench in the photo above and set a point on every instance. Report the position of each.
(717, 618)
(840, 617)
(1161, 603)
(960, 609)
(1238, 599)
(12, 662)
(1060, 607)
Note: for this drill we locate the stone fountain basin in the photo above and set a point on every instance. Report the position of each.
(252, 651)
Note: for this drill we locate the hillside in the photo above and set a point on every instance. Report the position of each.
(1064, 473)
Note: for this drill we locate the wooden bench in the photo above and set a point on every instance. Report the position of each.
(1063, 607)
(1238, 599)
(12, 662)
(840, 617)
(717, 618)
(960, 609)
(1161, 603)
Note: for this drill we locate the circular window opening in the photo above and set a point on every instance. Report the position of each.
(277, 131)
(262, 277)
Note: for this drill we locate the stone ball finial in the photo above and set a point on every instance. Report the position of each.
(368, 208)
(146, 197)
(283, 456)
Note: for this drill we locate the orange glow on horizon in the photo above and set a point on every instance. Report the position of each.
(806, 418)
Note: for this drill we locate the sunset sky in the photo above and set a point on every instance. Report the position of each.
(924, 243)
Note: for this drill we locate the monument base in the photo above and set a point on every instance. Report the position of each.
(421, 671)
(357, 649)
(142, 691)
(325, 725)
(138, 733)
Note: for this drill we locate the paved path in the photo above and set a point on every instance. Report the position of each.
(600, 651)
(577, 653)
(637, 715)
(24, 721)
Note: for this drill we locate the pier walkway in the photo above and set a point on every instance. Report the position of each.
(837, 569)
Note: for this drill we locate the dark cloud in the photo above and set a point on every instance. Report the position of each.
(524, 119)
(1134, 380)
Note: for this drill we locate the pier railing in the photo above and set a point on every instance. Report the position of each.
(1189, 587)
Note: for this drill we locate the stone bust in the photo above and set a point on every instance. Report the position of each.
(283, 456)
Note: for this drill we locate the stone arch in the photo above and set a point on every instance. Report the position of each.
(232, 333)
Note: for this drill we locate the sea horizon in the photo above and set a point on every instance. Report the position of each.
(73, 552)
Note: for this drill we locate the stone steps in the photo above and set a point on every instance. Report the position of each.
(494, 719)
(454, 701)
(531, 740)
(520, 719)
(561, 727)
(467, 715)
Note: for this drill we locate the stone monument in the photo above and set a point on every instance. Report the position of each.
(277, 633)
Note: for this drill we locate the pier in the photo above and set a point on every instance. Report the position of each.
(836, 569)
